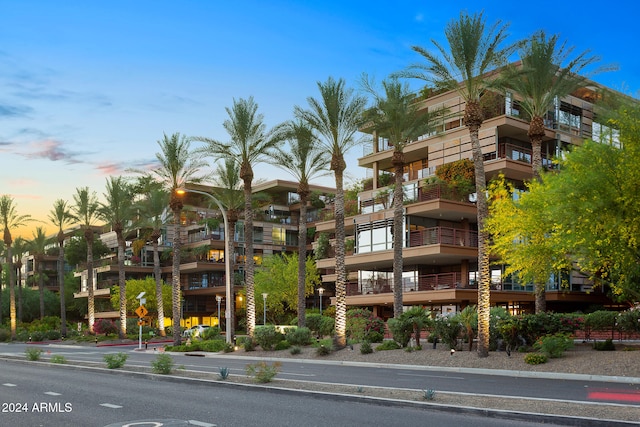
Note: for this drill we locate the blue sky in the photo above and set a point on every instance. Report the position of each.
(87, 88)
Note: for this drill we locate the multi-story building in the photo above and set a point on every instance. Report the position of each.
(440, 222)
(202, 267)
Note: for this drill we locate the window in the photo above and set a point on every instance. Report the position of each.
(605, 134)
(375, 236)
(278, 235)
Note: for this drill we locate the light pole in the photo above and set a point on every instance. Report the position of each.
(320, 291)
(227, 258)
(219, 299)
(264, 315)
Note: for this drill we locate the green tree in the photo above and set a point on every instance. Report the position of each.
(178, 165)
(85, 209)
(250, 144)
(20, 247)
(135, 287)
(118, 211)
(152, 214)
(304, 160)
(336, 116)
(61, 217)
(277, 276)
(11, 220)
(76, 249)
(474, 50)
(37, 247)
(395, 116)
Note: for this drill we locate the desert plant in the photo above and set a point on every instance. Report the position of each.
(223, 373)
(262, 372)
(388, 345)
(324, 350)
(554, 346)
(162, 364)
(606, 345)
(33, 353)
(429, 394)
(249, 344)
(295, 350)
(448, 329)
(365, 348)
(363, 325)
(282, 345)
(228, 347)
(535, 358)
(298, 336)
(115, 361)
(58, 358)
(267, 336)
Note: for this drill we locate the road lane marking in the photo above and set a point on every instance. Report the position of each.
(201, 424)
(52, 393)
(8, 385)
(110, 405)
(432, 376)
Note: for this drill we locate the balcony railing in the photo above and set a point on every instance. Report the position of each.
(444, 236)
(441, 191)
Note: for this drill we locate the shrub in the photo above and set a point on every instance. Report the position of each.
(37, 336)
(262, 372)
(223, 373)
(58, 358)
(115, 361)
(298, 336)
(327, 326)
(33, 353)
(5, 335)
(401, 330)
(162, 364)
(366, 348)
(361, 323)
(388, 345)
(249, 344)
(211, 333)
(535, 358)
(267, 336)
(554, 345)
(604, 345)
(448, 329)
(429, 394)
(324, 350)
(282, 345)
(228, 347)
(295, 350)
(52, 335)
(628, 321)
(105, 326)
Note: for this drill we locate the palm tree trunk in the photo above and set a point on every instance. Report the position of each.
(536, 133)
(340, 339)
(398, 217)
(123, 286)
(88, 235)
(175, 278)
(12, 290)
(158, 277)
(18, 268)
(230, 309)
(41, 285)
(249, 266)
(302, 258)
(63, 308)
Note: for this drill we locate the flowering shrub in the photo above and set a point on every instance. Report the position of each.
(105, 326)
(362, 325)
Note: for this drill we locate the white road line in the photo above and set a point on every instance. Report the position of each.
(110, 405)
(52, 393)
(201, 424)
(8, 385)
(432, 376)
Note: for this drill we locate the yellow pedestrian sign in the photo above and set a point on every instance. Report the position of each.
(141, 311)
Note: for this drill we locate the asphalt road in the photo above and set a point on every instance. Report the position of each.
(34, 395)
(417, 378)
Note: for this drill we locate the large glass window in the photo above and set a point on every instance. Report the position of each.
(278, 235)
(375, 236)
(605, 134)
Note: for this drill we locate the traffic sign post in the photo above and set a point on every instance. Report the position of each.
(141, 312)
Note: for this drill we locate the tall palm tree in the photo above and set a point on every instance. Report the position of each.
(152, 214)
(2, 260)
(305, 160)
(229, 192)
(178, 165)
(20, 247)
(336, 116)
(61, 217)
(37, 247)
(250, 144)
(11, 220)
(395, 116)
(474, 50)
(117, 210)
(85, 210)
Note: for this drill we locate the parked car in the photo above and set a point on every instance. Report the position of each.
(195, 331)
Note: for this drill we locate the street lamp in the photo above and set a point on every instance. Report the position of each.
(320, 291)
(227, 258)
(219, 299)
(264, 315)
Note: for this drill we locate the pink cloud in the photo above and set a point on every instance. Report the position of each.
(50, 149)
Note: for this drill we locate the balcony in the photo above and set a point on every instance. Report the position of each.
(443, 236)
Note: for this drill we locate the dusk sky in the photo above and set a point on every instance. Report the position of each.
(87, 88)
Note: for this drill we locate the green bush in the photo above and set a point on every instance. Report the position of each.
(535, 358)
(628, 321)
(604, 345)
(211, 333)
(115, 361)
(5, 335)
(37, 336)
(52, 335)
(58, 358)
(554, 346)
(388, 345)
(298, 336)
(262, 372)
(401, 330)
(105, 326)
(324, 350)
(282, 345)
(366, 348)
(295, 350)
(162, 364)
(249, 344)
(228, 347)
(327, 326)
(267, 336)
(448, 329)
(33, 353)
(361, 323)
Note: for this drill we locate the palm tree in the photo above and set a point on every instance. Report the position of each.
(85, 210)
(117, 211)
(473, 52)
(152, 213)
(37, 247)
(250, 144)
(304, 160)
(395, 116)
(178, 165)
(229, 192)
(20, 247)
(61, 217)
(336, 116)
(11, 220)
